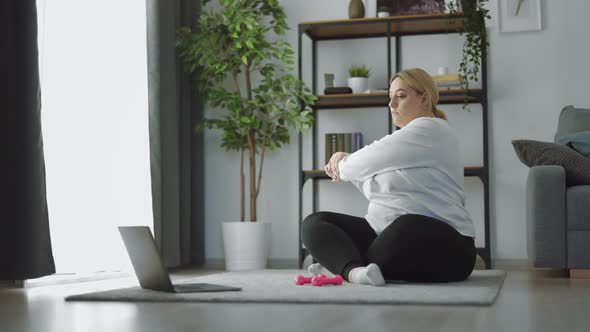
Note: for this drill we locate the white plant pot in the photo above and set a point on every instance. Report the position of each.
(358, 84)
(383, 14)
(246, 245)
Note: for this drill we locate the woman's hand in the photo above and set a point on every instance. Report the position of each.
(332, 167)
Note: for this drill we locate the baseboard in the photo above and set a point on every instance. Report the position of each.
(273, 263)
(286, 263)
(69, 278)
(11, 284)
(511, 264)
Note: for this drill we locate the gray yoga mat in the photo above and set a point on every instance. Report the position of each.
(278, 286)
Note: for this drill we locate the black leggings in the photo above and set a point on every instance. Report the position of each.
(414, 248)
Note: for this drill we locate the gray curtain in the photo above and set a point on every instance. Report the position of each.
(176, 150)
(25, 245)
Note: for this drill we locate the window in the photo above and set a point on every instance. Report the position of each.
(93, 70)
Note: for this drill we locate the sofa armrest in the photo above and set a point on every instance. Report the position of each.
(546, 216)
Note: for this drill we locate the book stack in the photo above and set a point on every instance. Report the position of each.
(342, 142)
(449, 82)
(337, 90)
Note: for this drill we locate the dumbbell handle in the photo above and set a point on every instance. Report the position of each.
(335, 280)
(302, 280)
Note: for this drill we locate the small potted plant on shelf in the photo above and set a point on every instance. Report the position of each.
(383, 11)
(475, 14)
(240, 71)
(358, 79)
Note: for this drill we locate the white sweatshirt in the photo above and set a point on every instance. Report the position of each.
(416, 169)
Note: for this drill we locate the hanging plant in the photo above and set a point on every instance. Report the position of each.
(476, 42)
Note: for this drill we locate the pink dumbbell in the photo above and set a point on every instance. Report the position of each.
(301, 280)
(335, 280)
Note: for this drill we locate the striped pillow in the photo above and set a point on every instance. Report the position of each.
(536, 153)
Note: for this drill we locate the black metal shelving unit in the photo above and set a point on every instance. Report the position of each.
(389, 27)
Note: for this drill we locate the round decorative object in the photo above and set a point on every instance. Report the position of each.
(356, 9)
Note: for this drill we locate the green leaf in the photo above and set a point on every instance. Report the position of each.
(216, 51)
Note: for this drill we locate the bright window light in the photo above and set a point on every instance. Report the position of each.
(93, 71)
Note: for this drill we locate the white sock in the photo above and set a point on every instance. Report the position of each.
(316, 269)
(366, 275)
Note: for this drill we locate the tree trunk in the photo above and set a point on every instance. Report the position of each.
(252, 148)
(251, 144)
(242, 190)
(260, 170)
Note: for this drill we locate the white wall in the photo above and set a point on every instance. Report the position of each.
(532, 75)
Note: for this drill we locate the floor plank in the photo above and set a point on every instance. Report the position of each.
(579, 274)
(529, 301)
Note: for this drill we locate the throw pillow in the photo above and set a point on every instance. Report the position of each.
(579, 141)
(536, 153)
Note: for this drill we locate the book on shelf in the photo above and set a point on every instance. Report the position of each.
(378, 91)
(449, 82)
(448, 77)
(342, 142)
(337, 90)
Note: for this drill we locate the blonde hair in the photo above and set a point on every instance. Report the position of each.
(420, 81)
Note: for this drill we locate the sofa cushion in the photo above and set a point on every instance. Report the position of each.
(578, 214)
(536, 153)
(579, 141)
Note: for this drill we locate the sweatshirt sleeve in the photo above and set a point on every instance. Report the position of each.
(408, 147)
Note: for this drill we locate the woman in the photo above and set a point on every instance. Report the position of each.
(416, 228)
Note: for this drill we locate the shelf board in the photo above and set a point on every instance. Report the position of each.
(350, 100)
(458, 96)
(381, 99)
(377, 27)
(318, 174)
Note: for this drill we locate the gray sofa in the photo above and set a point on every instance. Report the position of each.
(558, 217)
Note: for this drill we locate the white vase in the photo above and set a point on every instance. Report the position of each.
(358, 84)
(246, 245)
(383, 14)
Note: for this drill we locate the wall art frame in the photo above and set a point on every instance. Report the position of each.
(519, 15)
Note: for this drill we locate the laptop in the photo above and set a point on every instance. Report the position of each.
(150, 270)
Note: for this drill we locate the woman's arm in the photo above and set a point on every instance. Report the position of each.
(402, 149)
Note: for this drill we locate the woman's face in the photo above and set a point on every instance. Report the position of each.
(406, 104)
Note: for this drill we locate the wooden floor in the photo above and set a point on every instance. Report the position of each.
(529, 301)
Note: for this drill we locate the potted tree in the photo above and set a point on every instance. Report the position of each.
(358, 79)
(237, 69)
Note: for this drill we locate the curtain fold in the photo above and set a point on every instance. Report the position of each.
(176, 150)
(25, 244)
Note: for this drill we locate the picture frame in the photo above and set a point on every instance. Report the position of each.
(412, 7)
(519, 15)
